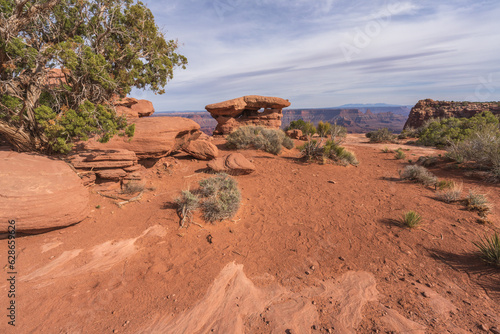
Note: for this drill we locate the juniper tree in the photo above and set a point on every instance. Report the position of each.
(103, 49)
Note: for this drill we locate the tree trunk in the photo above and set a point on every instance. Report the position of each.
(22, 140)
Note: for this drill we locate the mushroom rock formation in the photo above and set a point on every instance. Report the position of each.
(427, 109)
(232, 114)
(154, 137)
(39, 193)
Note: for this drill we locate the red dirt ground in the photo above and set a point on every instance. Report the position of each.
(302, 255)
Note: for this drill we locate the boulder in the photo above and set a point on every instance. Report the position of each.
(234, 164)
(294, 134)
(202, 149)
(133, 108)
(111, 174)
(154, 137)
(428, 109)
(143, 108)
(39, 193)
(232, 114)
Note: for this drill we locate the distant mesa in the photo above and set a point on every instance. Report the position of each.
(428, 109)
(235, 113)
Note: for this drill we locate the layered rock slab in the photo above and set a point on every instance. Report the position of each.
(242, 111)
(39, 193)
(234, 164)
(154, 137)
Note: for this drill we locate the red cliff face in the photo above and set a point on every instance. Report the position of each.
(427, 109)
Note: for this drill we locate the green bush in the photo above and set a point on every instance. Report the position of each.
(260, 138)
(323, 128)
(381, 135)
(453, 130)
(419, 174)
(400, 154)
(222, 197)
(386, 150)
(307, 128)
(450, 192)
(411, 219)
(330, 151)
(489, 249)
(482, 147)
(408, 133)
(478, 202)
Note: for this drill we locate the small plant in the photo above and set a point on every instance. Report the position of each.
(323, 128)
(400, 154)
(330, 151)
(98, 206)
(381, 135)
(489, 249)
(187, 203)
(478, 202)
(450, 194)
(132, 187)
(411, 219)
(445, 184)
(418, 174)
(260, 138)
(427, 161)
(337, 133)
(288, 143)
(386, 150)
(222, 197)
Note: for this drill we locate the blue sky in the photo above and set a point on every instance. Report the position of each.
(326, 53)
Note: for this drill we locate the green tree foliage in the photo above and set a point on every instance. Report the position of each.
(307, 128)
(323, 128)
(103, 49)
(453, 130)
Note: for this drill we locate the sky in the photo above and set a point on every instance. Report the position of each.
(326, 53)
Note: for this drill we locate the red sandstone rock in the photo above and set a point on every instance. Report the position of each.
(143, 108)
(39, 193)
(103, 159)
(234, 164)
(427, 109)
(232, 114)
(203, 150)
(154, 137)
(112, 174)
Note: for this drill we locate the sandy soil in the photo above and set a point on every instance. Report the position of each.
(303, 255)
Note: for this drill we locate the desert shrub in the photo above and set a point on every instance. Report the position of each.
(450, 193)
(337, 133)
(330, 151)
(222, 197)
(339, 154)
(132, 187)
(307, 128)
(386, 150)
(381, 135)
(288, 143)
(453, 130)
(411, 219)
(478, 202)
(427, 161)
(311, 150)
(400, 154)
(323, 128)
(187, 203)
(408, 133)
(489, 249)
(481, 147)
(445, 184)
(418, 174)
(260, 138)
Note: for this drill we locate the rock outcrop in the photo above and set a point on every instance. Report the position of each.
(294, 134)
(202, 149)
(234, 164)
(39, 193)
(133, 108)
(232, 114)
(427, 109)
(154, 137)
